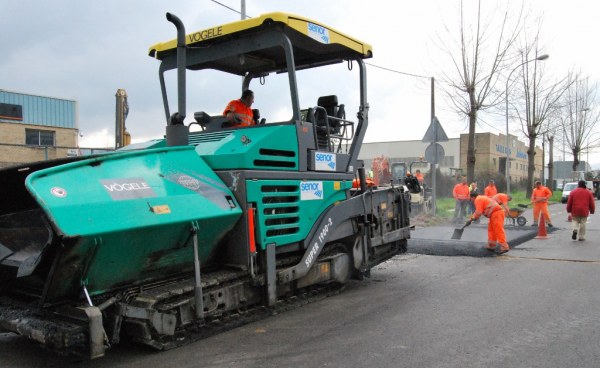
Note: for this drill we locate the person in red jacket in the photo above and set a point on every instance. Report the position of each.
(580, 204)
(489, 208)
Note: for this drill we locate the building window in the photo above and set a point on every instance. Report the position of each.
(11, 112)
(35, 137)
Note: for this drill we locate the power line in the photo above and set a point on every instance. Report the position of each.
(479, 119)
(373, 65)
(230, 8)
(398, 72)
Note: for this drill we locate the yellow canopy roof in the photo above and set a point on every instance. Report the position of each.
(313, 43)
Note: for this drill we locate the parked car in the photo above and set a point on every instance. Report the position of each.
(567, 188)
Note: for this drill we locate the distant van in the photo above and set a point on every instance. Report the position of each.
(569, 187)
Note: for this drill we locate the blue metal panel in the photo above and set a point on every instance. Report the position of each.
(40, 110)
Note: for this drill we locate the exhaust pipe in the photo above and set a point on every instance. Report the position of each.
(177, 132)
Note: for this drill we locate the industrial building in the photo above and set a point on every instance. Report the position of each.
(410, 151)
(36, 128)
(490, 155)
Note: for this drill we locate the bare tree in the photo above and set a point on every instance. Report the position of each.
(484, 48)
(554, 130)
(540, 99)
(580, 116)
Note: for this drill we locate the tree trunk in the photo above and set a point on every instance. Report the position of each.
(530, 164)
(575, 159)
(471, 145)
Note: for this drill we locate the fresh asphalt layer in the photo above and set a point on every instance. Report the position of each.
(436, 240)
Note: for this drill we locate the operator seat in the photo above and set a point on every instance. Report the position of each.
(330, 104)
(325, 125)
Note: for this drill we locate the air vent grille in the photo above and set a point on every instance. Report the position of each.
(280, 209)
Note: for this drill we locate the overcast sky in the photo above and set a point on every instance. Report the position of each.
(85, 51)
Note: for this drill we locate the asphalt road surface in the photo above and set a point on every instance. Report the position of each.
(536, 306)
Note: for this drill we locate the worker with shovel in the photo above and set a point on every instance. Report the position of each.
(503, 200)
(539, 198)
(491, 209)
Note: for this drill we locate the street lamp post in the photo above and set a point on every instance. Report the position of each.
(507, 148)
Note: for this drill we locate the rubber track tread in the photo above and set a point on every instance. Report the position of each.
(214, 327)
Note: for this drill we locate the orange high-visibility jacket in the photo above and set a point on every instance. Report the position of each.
(485, 206)
(541, 194)
(490, 191)
(419, 177)
(502, 200)
(243, 112)
(461, 191)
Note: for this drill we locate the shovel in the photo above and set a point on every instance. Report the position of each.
(459, 231)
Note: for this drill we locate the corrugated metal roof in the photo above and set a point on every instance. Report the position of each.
(42, 110)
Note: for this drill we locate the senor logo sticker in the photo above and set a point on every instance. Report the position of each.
(325, 161)
(58, 192)
(318, 33)
(311, 190)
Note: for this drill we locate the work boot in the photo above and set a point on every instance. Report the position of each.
(574, 236)
(504, 247)
(534, 224)
(550, 225)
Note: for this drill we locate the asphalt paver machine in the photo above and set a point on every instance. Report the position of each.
(164, 240)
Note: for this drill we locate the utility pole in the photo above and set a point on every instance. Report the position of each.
(550, 182)
(434, 171)
(543, 174)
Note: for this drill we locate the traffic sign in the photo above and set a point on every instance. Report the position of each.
(434, 153)
(435, 132)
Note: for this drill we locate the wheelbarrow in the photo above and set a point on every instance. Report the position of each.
(515, 216)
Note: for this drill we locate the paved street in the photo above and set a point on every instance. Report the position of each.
(536, 306)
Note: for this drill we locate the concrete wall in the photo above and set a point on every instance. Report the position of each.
(409, 151)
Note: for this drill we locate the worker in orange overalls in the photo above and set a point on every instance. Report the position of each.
(419, 177)
(461, 196)
(491, 189)
(491, 209)
(539, 198)
(356, 183)
(503, 200)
